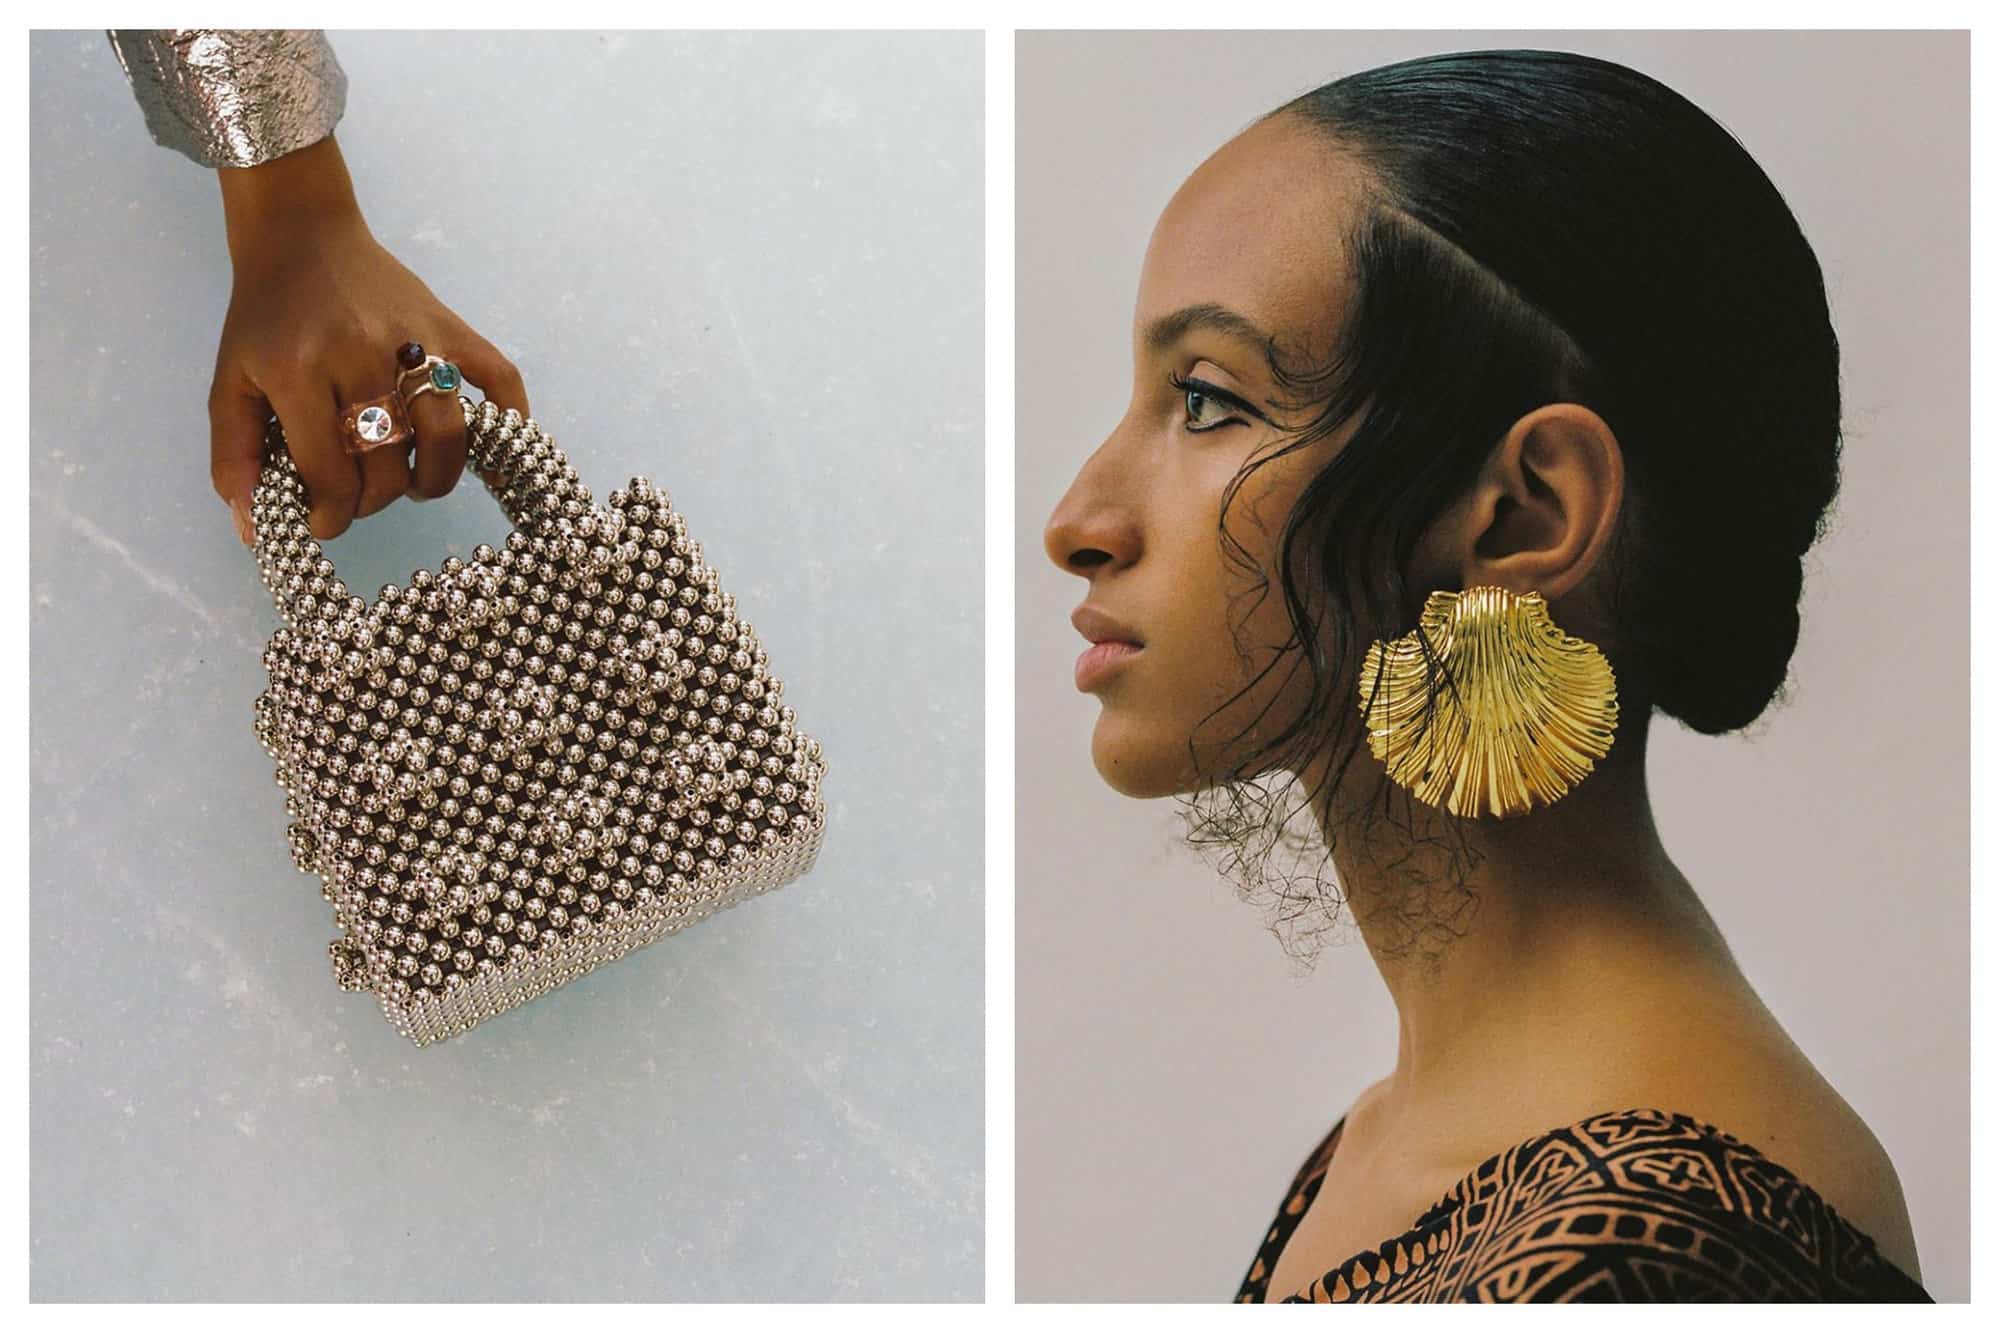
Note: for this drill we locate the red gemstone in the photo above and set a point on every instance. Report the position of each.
(410, 355)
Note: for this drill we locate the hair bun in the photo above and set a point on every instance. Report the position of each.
(1717, 635)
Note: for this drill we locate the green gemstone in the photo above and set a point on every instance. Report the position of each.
(444, 375)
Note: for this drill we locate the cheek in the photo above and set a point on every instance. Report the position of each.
(1251, 665)
(1211, 591)
(1247, 593)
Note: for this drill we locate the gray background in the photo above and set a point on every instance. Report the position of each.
(1171, 1070)
(748, 267)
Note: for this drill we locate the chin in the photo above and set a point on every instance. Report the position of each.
(1136, 760)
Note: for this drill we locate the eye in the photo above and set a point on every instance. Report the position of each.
(1207, 407)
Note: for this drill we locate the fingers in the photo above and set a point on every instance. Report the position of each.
(341, 487)
(493, 373)
(385, 475)
(309, 411)
(238, 413)
(440, 459)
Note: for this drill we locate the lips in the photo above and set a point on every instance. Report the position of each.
(1100, 660)
(1112, 645)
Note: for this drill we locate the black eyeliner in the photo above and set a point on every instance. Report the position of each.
(1187, 384)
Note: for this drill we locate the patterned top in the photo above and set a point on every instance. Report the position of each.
(1635, 1205)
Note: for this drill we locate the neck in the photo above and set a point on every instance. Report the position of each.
(1526, 947)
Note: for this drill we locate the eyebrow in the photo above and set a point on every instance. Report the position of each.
(1167, 330)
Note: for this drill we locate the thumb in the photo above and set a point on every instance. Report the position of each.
(238, 416)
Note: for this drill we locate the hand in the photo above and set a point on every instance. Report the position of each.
(316, 312)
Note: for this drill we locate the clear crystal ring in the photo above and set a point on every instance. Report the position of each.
(437, 376)
(375, 422)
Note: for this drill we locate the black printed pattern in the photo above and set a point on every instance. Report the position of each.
(1635, 1205)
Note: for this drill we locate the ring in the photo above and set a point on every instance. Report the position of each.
(375, 422)
(440, 375)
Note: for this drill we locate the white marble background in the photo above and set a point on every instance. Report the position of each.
(748, 267)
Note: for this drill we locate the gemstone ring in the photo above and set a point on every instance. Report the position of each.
(439, 375)
(375, 422)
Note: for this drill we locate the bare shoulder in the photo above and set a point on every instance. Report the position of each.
(1809, 1129)
(1738, 1070)
(1362, 1113)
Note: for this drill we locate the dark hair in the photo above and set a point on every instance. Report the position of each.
(1538, 227)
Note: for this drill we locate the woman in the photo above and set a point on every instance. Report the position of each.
(323, 321)
(1528, 327)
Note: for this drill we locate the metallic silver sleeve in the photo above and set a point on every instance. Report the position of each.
(233, 97)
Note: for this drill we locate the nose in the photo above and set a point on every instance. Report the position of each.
(1095, 526)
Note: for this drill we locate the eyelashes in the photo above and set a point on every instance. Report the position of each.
(1201, 398)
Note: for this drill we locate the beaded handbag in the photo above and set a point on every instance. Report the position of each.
(532, 762)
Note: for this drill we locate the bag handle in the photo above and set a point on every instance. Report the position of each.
(522, 467)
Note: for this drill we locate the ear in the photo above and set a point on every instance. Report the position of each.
(1543, 508)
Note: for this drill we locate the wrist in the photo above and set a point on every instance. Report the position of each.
(305, 190)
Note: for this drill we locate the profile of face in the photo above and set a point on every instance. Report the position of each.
(1244, 260)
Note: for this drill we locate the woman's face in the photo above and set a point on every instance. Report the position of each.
(1247, 251)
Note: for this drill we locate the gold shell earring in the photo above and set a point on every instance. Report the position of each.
(1533, 711)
